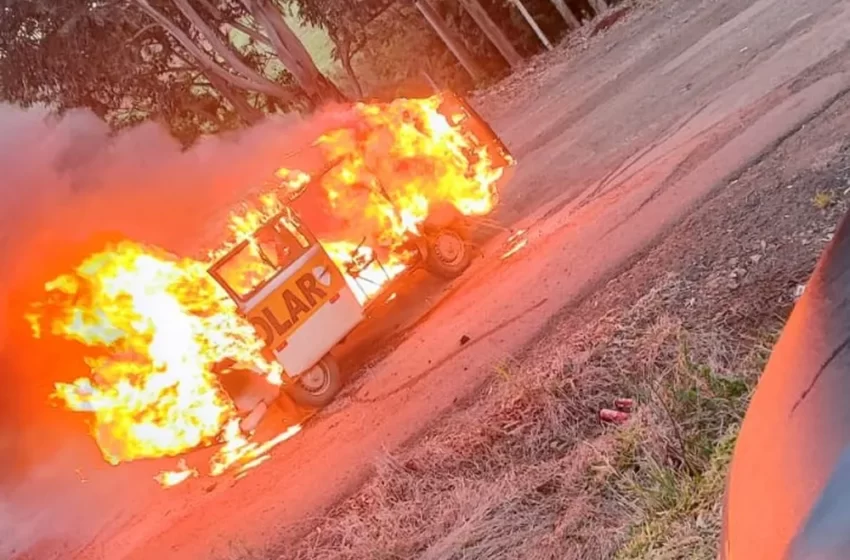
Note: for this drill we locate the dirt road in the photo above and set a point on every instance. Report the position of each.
(617, 143)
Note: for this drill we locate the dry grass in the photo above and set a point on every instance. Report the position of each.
(824, 199)
(529, 472)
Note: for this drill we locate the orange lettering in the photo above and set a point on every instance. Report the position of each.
(309, 289)
(273, 321)
(294, 305)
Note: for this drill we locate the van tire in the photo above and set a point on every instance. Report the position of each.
(318, 386)
(449, 254)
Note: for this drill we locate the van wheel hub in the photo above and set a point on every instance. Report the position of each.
(448, 247)
(316, 379)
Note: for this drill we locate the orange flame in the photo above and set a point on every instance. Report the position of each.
(398, 160)
(385, 173)
(167, 479)
(156, 324)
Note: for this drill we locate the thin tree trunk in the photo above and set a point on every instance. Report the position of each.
(292, 52)
(451, 40)
(287, 57)
(598, 6)
(493, 32)
(250, 32)
(572, 20)
(352, 75)
(212, 9)
(285, 42)
(249, 114)
(345, 57)
(326, 89)
(208, 64)
(211, 35)
(533, 24)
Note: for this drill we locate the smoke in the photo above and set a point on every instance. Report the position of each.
(69, 181)
(69, 184)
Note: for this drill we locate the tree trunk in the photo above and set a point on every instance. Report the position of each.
(327, 91)
(572, 20)
(287, 58)
(533, 24)
(452, 40)
(598, 6)
(211, 35)
(249, 114)
(292, 52)
(207, 64)
(345, 56)
(212, 9)
(493, 32)
(352, 75)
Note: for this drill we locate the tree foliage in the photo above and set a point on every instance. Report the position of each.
(199, 66)
(378, 42)
(205, 32)
(207, 65)
(65, 55)
(348, 24)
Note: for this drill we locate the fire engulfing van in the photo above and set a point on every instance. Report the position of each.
(302, 304)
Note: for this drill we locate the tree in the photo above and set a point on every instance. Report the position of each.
(198, 65)
(71, 54)
(347, 23)
(206, 34)
(567, 14)
(451, 39)
(493, 32)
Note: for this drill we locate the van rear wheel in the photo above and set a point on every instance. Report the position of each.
(318, 386)
(449, 254)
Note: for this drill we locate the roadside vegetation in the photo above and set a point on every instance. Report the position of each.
(527, 470)
(530, 472)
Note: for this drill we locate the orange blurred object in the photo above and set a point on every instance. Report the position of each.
(613, 416)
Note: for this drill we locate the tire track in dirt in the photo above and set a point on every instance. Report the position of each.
(712, 146)
(637, 71)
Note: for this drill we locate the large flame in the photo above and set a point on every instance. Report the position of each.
(400, 159)
(155, 324)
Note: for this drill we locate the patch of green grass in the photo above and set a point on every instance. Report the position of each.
(674, 477)
(503, 372)
(239, 550)
(678, 510)
(528, 470)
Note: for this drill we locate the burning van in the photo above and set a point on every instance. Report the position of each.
(286, 285)
(304, 295)
(174, 344)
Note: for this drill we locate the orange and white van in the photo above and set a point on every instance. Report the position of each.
(285, 284)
